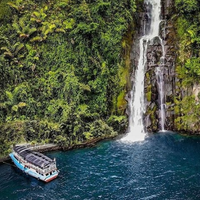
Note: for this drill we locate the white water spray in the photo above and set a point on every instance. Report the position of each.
(136, 103)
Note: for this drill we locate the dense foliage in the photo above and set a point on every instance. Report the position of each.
(188, 31)
(63, 69)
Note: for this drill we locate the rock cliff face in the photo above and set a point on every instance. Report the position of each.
(166, 64)
(157, 62)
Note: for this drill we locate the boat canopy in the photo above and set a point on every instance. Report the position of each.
(34, 158)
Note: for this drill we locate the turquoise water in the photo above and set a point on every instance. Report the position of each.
(164, 166)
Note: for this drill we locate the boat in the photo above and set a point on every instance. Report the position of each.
(34, 163)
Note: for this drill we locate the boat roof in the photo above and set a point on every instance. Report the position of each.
(34, 158)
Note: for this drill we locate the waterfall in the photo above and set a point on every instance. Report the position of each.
(137, 106)
(161, 91)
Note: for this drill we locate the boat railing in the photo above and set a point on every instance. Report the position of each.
(38, 146)
(37, 169)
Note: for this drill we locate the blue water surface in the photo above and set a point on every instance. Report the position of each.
(163, 166)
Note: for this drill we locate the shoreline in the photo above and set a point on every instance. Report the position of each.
(53, 147)
(90, 143)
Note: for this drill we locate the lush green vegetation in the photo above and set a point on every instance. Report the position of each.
(188, 31)
(64, 68)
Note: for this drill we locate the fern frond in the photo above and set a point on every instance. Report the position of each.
(9, 96)
(22, 23)
(15, 25)
(36, 39)
(7, 52)
(12, 5)
(5, 48)
(31, 31)
(8, 55)
(18, 48)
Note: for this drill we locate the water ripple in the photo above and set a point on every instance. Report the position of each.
(164, 166)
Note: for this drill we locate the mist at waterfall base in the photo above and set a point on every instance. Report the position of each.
(163, 166)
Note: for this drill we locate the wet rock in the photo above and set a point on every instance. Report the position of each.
(155, 61)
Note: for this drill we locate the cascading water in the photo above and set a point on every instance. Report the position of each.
(160, 81)
(136, 103)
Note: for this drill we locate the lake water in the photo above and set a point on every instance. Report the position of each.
(163, 166)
